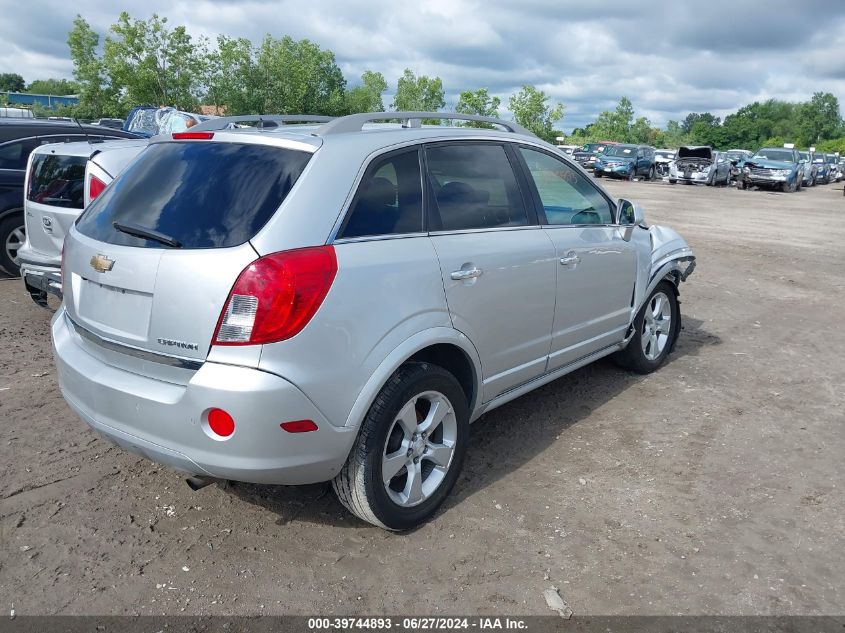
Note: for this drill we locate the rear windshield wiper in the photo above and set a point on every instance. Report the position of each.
(147, 234)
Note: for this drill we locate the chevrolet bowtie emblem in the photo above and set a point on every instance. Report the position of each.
(101, 263)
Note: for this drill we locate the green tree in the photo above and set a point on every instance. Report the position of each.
(478, 102)
(531, 110)
(232, 77)
(150, 63)
(614, 125)
(819, 118)
(96, 96)
(53, 87)
(694, 117)
(298, 77)
(11, 82)
(367, 96)
(418, 94)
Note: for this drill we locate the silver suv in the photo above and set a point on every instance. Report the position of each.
(338, 303)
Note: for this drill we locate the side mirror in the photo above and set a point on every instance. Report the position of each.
(629, 215)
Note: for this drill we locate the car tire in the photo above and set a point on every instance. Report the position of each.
(597, 174)
(652, 173)
(789, 187)
(673, 182)
(632, 175)
(654, 335)
(390, 444)
(12, 236)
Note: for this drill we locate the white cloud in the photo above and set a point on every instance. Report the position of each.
(668, 58)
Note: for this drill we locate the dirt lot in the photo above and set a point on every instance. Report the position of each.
(713, 486)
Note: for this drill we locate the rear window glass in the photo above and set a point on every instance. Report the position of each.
(200, 194)
(57, 180)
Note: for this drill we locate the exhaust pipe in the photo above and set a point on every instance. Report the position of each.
(196, 482)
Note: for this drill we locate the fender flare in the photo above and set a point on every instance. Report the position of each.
(669, 268)
(400, 354)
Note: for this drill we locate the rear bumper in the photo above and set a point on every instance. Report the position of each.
(41, 273)
(43, 278)
(164, 422)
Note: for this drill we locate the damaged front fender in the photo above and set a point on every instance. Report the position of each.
(671, 258)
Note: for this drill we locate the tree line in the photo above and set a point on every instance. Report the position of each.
(151, 62)
(816, 122)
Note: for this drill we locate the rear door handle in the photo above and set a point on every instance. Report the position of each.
(570, 258)
(469, 273)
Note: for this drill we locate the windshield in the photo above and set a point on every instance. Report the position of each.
(664, 154)
(625, 151)
(598, 148)
(804, 155)
(774, 154)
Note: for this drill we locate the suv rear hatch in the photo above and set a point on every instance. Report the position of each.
(151, 262)
(55, 191)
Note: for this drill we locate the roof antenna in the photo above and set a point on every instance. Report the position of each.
(87, 138)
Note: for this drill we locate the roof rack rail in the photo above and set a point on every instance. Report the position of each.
(226, 122)
(355, 122)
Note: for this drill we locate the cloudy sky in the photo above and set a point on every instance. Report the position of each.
(668, 57)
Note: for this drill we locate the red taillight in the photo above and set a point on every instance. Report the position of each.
(95, 186)
(299, 426)
(193, 136)
(220, 422)
(275, 296)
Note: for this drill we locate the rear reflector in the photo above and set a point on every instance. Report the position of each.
(193, 136)
(95, 186)
(275, 296)
(299, 426)
(220, 422)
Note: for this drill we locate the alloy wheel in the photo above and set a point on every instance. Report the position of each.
(419, 448)
(14, 241)
(657, 326)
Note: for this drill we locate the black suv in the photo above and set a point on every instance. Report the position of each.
(18, 137)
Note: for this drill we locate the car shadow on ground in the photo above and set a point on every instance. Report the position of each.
(500, 441)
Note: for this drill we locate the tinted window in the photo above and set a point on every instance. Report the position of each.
(474, 187)
(57, 180)
(389, 199)
(13, 155)
(203, 195)
(566, 195)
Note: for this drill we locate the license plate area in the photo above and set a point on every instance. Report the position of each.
(117, 311)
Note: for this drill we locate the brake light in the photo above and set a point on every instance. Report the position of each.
(275, 296)
(193, 136)
(95, 186)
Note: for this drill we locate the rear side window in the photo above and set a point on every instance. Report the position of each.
(13, 154)
(200, 194)
(57, 180)
(389, 199)
(474, 187)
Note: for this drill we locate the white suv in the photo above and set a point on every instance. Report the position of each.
(306, 304)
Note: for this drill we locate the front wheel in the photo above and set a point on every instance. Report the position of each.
(597, 174)
(789, 187)
(656, 329)
(409, 450)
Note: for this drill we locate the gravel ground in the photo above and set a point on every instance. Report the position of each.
(713, 486)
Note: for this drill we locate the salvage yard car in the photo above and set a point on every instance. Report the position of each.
(586, 156)
(338, 302)
(626, 161)
(810, 168)
(773, 168)
(662, 159)
(700, 165)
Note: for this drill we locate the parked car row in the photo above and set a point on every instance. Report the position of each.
(18, 138)
(298, 302)
(784, 168)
